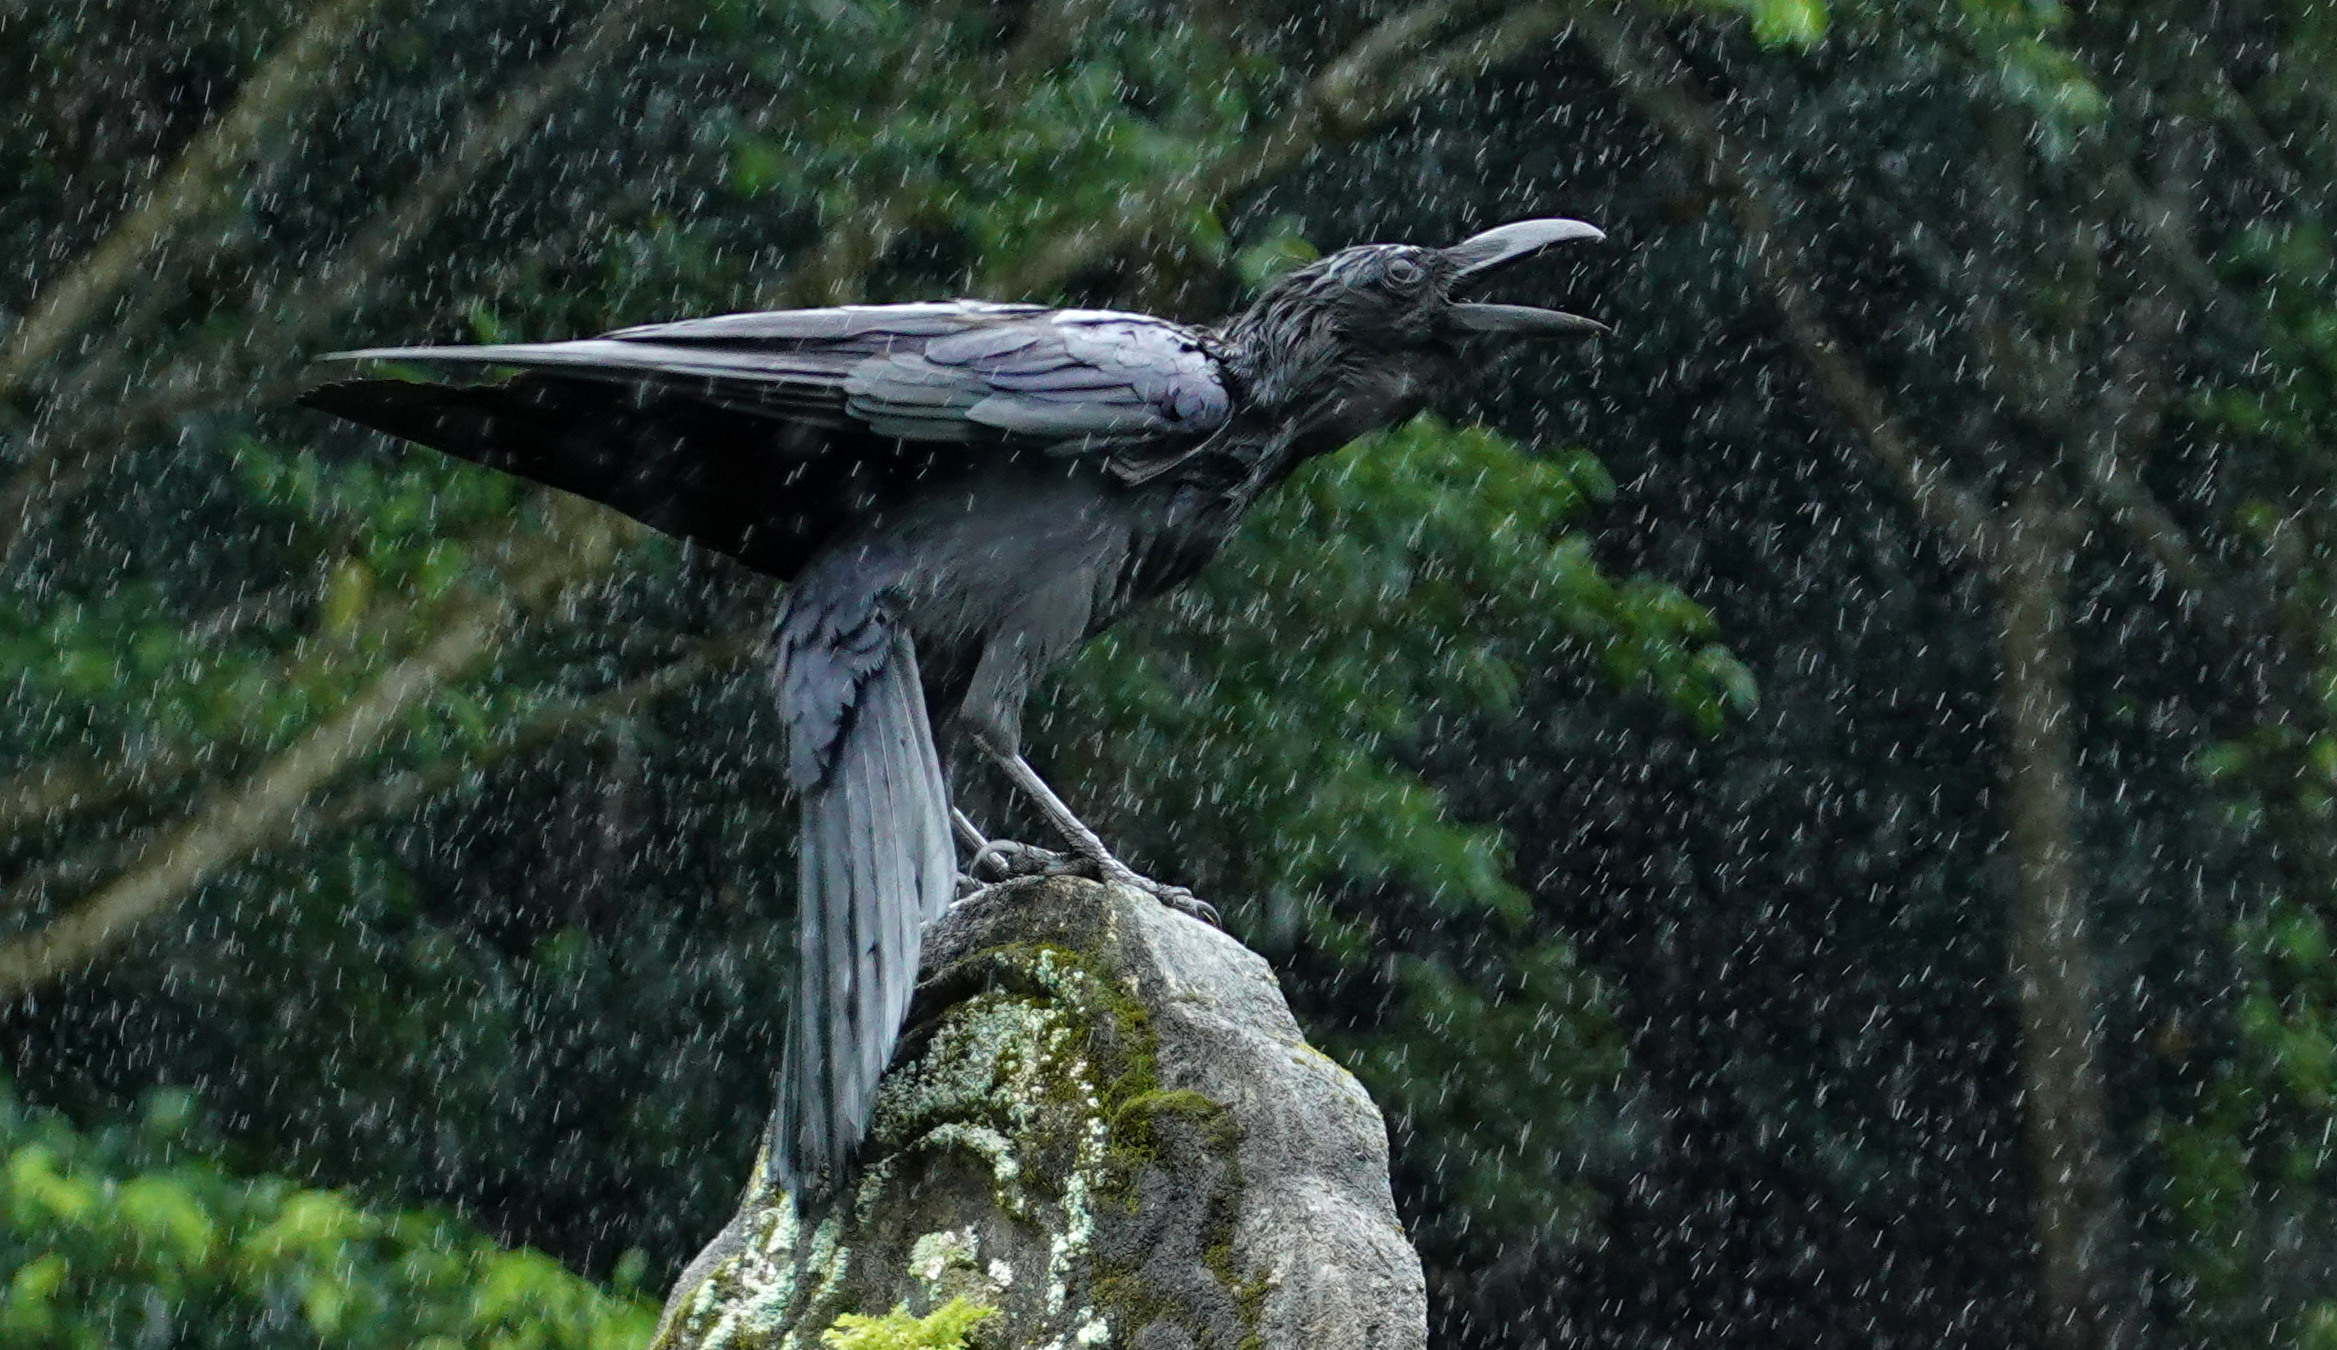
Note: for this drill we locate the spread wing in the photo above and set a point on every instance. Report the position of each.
(754, 434)
(950, 372)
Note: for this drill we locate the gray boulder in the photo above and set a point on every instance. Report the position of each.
(1103, 1129)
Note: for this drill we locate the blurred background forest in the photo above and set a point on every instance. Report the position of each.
(1814, 816)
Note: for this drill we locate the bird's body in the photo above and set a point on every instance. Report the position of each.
(957, 494)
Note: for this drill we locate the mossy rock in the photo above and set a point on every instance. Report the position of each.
(1104, 1128)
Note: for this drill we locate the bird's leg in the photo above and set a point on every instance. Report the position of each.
(1090, 847)
(971, 880)
(1002, 859)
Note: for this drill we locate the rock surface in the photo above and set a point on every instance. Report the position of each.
(1103, 1125)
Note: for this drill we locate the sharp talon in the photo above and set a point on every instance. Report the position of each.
(1188, 904)
(1175, 897)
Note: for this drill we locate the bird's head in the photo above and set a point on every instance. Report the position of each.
(1404, 295)
(1362, 337)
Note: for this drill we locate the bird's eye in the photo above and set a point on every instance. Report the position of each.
(1405, 272)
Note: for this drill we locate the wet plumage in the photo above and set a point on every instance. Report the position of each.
(957, 494)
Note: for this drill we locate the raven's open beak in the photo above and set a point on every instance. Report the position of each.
(1506, 244)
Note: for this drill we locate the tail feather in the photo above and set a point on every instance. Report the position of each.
(877, 864)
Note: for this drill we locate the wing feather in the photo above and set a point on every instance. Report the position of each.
(923, 320)
(956, 371)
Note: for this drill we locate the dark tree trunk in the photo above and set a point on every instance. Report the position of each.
(2073, 1196)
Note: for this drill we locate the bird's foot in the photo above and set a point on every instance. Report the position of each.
(1088, 855)
(1112, 870)
(1005, 859)
(1186, 903)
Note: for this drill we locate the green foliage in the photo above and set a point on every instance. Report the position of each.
(2248, 1173)
(416, 1047)
(2016, 51)
(2291, 405)
(434, 1000)
(2020, 47)
(132, 1235)
(994, 153)
(1390, 611)
(945, 1328)
(1778, 23)
(1440, 560)
(151, 667)
(1508, 1089)
(399, 522)
(2249, 1170)
(1279, 247)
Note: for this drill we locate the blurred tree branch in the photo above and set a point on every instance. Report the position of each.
(837, 270)
(48, 790)
(269, 803)
(40, 795)
(2124, 412)
(2081, 1228)
(397, 793)
(1386, 71)
(406, 791)
(1654, 78)
(2027, 550)
(1378, 77)
(83, 431)
(2129, 408)
(305, 65)
(284, 796)
(1389, 69)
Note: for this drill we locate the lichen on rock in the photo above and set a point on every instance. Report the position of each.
(1096, 1128)
(945, 1328)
